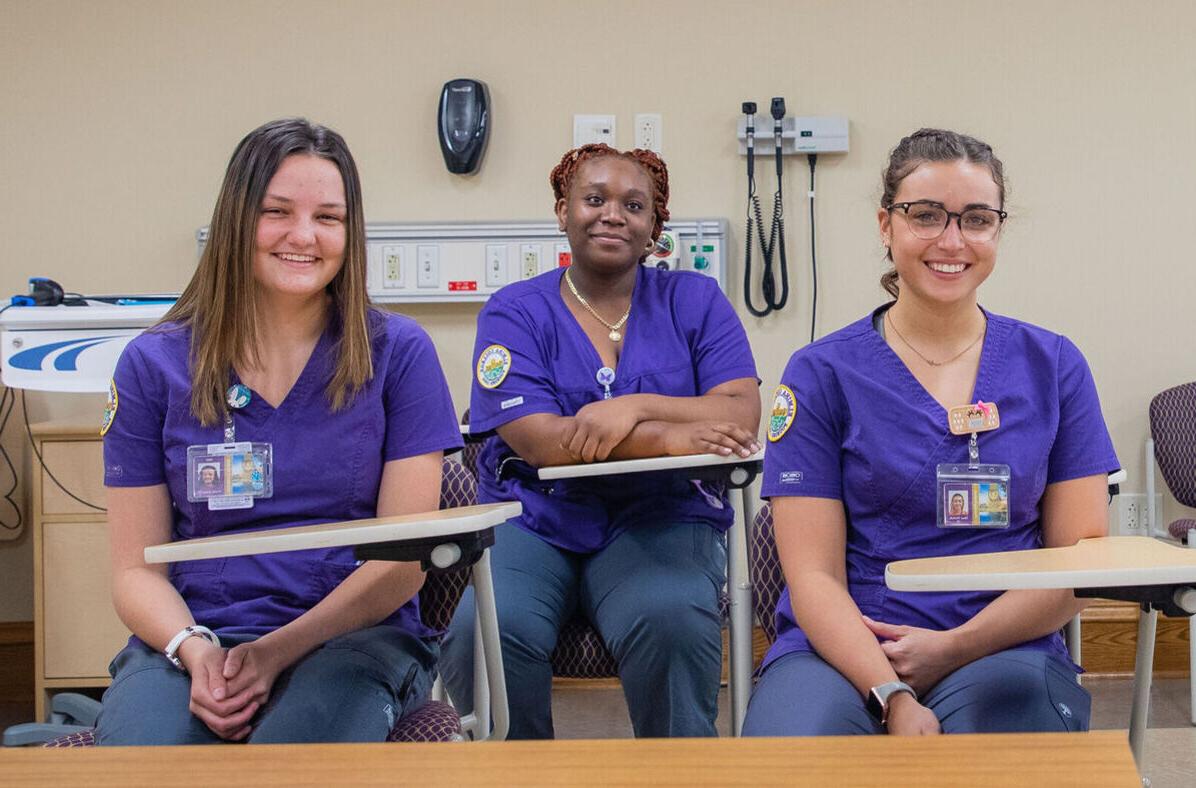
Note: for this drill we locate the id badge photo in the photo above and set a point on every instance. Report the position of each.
(973, 497)
(230, 475)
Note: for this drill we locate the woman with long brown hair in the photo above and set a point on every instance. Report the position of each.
(272, 395)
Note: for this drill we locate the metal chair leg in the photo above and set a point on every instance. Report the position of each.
(740, 593)
(1143, 674)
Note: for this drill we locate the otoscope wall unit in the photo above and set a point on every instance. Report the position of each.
(799, 134)
(467, 261)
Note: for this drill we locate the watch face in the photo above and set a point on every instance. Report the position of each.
(875, 704)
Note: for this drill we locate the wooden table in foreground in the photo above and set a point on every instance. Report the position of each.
(1089, 759)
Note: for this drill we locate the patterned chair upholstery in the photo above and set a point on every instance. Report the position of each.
(435, 720)
(1173, 428)
(764, 569)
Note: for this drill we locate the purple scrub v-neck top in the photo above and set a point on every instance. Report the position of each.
(327, 465)
(683, 338)
(867, 433)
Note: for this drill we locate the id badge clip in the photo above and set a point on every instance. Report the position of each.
(966, 419)
(230, 475)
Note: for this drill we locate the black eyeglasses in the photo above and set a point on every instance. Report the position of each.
(927, 220)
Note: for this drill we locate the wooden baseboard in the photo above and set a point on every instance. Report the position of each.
(16, 662)
(1110, 637)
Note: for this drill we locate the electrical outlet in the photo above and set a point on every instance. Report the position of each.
(1131, 515)
(647, 131)
(529, 258)
(392, 266)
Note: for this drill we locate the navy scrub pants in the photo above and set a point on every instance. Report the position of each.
(1010, 691)
(652, 595)
(351, 689)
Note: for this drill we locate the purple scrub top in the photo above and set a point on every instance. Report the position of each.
(327, 465)
(866, 432)
(683, 338)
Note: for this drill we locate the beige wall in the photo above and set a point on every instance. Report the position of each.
(118, 118)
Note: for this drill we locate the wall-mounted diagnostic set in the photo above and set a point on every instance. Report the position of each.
(781, 136)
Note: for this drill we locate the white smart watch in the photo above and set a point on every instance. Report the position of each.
(176, 642)
(878, 699)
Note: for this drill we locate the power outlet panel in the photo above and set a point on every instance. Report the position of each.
(529, 260)
(1130, 515)
(648, 131)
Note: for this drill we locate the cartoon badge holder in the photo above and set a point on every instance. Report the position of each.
(973, 494)
(232, 474)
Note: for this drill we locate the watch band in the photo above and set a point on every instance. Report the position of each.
(878, 698)
(176, 642)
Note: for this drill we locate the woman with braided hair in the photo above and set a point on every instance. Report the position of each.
(609, 359)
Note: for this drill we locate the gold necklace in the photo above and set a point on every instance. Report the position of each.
(614, 334)
(889, 318)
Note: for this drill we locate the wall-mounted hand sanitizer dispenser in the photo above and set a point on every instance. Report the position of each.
(463, 123)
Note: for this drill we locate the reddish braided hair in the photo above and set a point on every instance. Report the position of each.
(562, 175)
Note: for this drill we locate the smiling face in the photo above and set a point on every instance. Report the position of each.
(607, 214)
(207, 475)
(300, 241)
(950, 268)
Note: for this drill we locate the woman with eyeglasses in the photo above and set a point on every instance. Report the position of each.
(876, 431)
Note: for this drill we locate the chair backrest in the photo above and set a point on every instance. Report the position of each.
(764, 568)
(473, 448)
(442, 590)
(1173, 428)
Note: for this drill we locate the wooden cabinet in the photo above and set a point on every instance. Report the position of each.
(76, 630)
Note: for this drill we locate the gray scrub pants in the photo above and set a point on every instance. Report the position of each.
(1010, 691)
(351, 689)
(652, 594)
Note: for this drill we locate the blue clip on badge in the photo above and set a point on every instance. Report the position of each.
(605, 377)
(238, 396)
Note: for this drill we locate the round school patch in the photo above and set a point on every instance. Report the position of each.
(782, 413)
(493, 365)
(109, 408)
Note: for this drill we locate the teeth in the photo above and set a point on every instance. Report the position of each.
(946, 268)
(297, 258)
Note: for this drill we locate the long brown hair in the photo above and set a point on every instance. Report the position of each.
(933, 145)
(219, 304)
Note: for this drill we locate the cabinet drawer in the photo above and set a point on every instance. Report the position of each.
(82, 631)
(79, 465)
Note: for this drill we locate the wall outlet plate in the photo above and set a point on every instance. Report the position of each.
(648, 131)
(593, 128)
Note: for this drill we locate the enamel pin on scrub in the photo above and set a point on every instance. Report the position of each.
(232, 474)
(972, 494)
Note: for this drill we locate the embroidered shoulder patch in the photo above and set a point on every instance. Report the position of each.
(109, 408)
(782, 413)
(493, 365)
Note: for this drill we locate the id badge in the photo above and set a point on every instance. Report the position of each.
(977, 498)
(230, 475)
